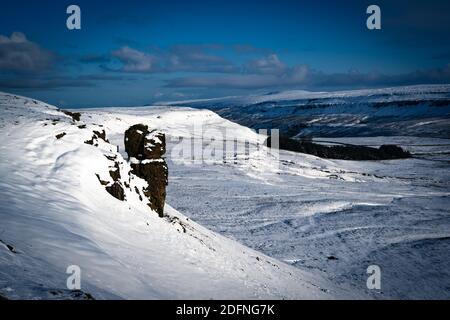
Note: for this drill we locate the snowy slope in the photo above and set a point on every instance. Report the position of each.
(412, 111)
(55, 213)
(335, 218)
(330, 218)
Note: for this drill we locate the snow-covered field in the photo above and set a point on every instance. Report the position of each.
(265, 227)
(333, 218)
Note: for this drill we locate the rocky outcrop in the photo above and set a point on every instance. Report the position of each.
(145, 151)
(114, 187)
(344, 152)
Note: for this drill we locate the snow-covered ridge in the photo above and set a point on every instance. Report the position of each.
(381, 95)
(54, 212)
(413, 111)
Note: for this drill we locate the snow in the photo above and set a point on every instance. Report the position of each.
(55, 213)
(387, 213)
(288, 227)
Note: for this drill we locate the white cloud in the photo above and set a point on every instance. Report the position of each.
(135, 60)
(18, 54)
(270, 64)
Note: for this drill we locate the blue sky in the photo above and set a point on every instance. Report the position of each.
(137, 52)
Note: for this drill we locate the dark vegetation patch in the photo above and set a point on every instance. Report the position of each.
(343, 152)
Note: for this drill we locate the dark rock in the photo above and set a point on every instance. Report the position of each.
(140, 143)
(343, 152)
(147, 148)
(101, 135)
(115, 174)
(134, 140)
(102, 182)
(139, 194)
(81, 295)
(9, 247)
(112, 158)
(70, 295)
(156, 175)
(176, 220)
(74, 115)
(97, 135)
(116, 191)
(154, 145)
(59, 136)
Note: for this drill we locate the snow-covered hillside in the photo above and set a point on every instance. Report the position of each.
(332, 217)
(54, 213)
(398, 111)
(293, 226)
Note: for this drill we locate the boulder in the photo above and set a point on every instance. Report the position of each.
(142, 144)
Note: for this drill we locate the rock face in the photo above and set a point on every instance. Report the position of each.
(145, 151)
